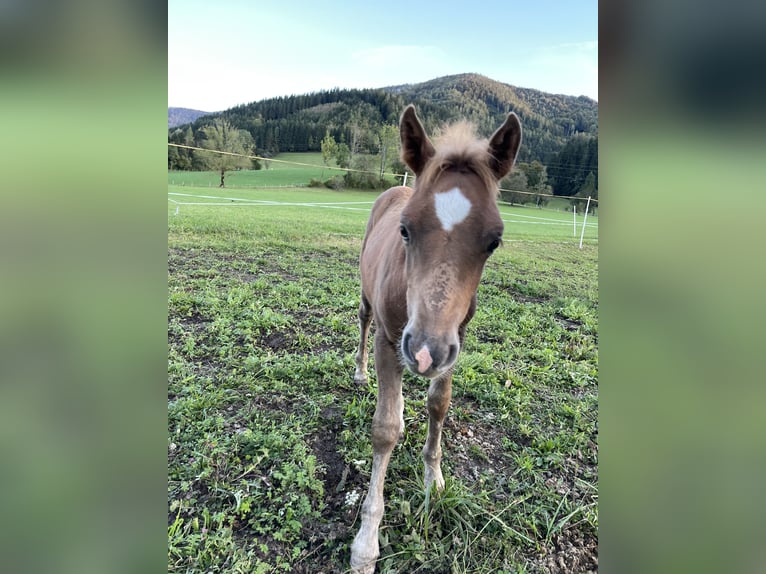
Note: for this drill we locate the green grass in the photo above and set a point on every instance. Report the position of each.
(269, 439)
(291, 174)
(521, 223)
(274, 173)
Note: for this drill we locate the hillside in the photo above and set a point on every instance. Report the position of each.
(180, 116)
(551, 122)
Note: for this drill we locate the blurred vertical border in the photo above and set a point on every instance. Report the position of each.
(82, 286)
(682, 393)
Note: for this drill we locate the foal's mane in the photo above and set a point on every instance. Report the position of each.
(458, 147)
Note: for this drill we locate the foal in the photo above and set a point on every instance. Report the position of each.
(422, 258)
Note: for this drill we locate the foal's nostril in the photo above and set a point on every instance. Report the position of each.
(406, 347)
(452, 354)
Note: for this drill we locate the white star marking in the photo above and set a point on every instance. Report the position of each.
(452, 207)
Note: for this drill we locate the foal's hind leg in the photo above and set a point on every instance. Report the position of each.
(439, 396)
(386, 429)
(365, 318)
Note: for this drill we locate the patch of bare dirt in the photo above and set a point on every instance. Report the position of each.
(567, 324)
(475, 448)
(339, 477)
(278, 340)
(571, 552)
(334, 529)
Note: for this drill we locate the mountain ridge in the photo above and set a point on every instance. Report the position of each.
(180, 116)
(299, 122)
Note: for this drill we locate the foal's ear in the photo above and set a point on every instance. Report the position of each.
(416, 147)
(504, 145)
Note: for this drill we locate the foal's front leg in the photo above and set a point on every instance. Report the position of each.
(387, 426)
(439, 396)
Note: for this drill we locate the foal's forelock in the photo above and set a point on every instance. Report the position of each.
(458, 149)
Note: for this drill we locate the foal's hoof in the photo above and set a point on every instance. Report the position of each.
(365, 550)
(433, 478)
(368, 569)
(360, 380)
(362, 565)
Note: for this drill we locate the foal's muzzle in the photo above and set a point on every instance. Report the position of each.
(428, 356)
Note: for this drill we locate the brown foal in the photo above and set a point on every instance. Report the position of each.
(422, 258)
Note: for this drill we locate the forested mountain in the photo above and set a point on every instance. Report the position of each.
(574, 170)
(548, 120)
(355, 117)
(180, 116)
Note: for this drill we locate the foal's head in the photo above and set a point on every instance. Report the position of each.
(450, 226)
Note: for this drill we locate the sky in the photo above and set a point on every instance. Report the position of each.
(230, 52)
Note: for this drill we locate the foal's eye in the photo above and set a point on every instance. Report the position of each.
(405, 233)
(493, 245)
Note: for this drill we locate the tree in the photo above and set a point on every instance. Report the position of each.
(569, 168)
(329, 148)
(588, 189)
(180, 158)
(343, 155)
(222, 136)
(355, 129)
(537, 181)
(536, 173)
(388, 139)
(512, 185)
(363, 176)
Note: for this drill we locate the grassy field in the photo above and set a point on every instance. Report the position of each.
(522, 223)
(269, 439)
(291, 174)
(274, 173)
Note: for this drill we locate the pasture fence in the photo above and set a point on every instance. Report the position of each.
(402, 176)
(513, 218)
(194, 199)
